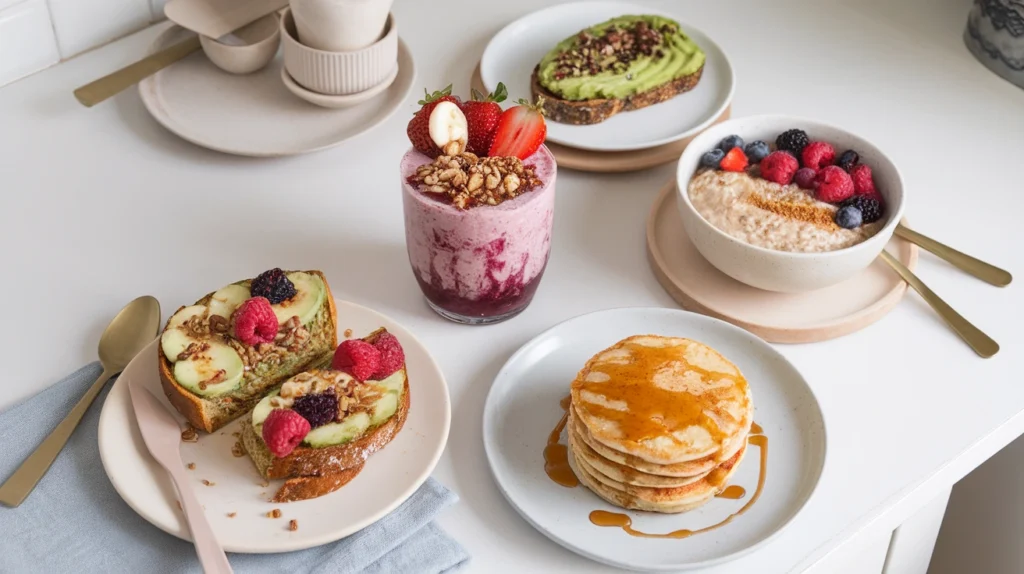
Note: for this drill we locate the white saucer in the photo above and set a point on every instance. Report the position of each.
(512, 54)
(336, 102)
(254, 114)
(522, 408)
(389, 478)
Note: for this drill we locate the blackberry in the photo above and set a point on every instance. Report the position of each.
(756, 151)
(712, 158)
(317, 409)
(849, 217)
(847, 160)
(870, 208)
(274, 285)
(793, 141)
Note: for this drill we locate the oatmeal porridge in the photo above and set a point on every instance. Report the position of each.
(770, 215)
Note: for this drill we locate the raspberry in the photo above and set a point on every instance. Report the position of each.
(863, 182)
(793, 141)
(255, 321)
(734, 160)
(817, 155)
(274, 285)
(834, 185)
(779, 167)
(357, 358)
(804, 178)
(318, 409)
(283, 431)
(392, 357)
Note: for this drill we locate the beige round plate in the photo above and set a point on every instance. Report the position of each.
(255, 115)
(336, 102)
(612, 161)
(776, 317)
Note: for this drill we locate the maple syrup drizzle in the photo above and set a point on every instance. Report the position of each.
(556, 454)
(619, 520)
(756, 429)
(732, 492)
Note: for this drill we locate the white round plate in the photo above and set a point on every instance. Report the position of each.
(522, 409)
(255, 114)
(388, 479)
(333, 101)
(512, 54)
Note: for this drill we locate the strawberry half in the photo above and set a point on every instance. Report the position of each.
(482, 114)
(419, 126)
(521, 131)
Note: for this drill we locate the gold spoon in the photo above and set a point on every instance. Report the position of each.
(131, 330)
(979, 341)
(978, 268)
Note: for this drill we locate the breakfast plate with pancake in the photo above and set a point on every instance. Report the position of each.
(654, 439)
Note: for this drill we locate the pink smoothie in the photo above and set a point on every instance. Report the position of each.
(482, 262)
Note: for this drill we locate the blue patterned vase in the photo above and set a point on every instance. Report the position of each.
(995, 35)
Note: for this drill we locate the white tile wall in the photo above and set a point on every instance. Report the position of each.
(83, 24)
(27, 42)
(35, 34)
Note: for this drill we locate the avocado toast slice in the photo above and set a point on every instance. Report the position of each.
(626, 63)
(212, 374)
(346, 421)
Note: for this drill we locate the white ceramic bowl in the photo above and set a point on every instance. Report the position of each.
(339, 73)
(782, 270)
(247, 49)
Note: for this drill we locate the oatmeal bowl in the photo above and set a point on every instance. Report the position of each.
(787, 204)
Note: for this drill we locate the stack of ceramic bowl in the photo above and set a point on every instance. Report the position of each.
(338, 53)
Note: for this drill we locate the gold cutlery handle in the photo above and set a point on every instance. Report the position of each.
(17, 488)
(978, 268)
(114, 83)
(979, 341)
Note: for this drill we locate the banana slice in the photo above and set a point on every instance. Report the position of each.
(309, 296)
(262, 409)
(174, 340)
(225, 301)
(213, 372)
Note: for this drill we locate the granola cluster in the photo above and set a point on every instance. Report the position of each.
(467, 180)
(614, 50)
(291, 336)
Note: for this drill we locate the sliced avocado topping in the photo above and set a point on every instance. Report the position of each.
(309, 297)
(211, 372)
(338, 433)
(573, 74)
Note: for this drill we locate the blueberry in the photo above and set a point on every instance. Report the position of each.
(712, 158)
(730, 142)
(848, 217)
(756, 151)
(804, 178)
(847, 160)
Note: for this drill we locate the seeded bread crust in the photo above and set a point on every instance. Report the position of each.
(307, 462)
(211, 414)
(306, 487)
(586, 112)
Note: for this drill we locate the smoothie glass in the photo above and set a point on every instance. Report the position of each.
(483, 264)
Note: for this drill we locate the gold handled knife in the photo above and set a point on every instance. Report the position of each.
(95, 92)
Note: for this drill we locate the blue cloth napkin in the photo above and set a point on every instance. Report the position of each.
(75, 521)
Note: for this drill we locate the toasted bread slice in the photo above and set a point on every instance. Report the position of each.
(586, 112)
(314, 471)
(211, 413)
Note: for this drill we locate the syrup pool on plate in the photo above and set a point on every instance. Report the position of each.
(482, 263)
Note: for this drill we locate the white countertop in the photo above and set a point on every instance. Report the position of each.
(101, 205)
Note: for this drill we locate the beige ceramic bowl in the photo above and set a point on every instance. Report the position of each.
(247, 49)
(782, 270)
(339, 73)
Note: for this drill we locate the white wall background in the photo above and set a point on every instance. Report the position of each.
(35, 34)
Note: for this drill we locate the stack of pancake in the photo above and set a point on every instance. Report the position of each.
(658, 423)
